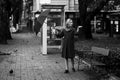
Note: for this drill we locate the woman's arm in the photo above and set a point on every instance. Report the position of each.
(77, 31)
(59, 34)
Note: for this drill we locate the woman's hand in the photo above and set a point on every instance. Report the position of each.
(57, 31)
(78, 28)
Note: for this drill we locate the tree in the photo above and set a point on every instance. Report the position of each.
(17, 11)
(116, 2)
(7, 8)
(28, 10)
(2, 29)
(87, 10)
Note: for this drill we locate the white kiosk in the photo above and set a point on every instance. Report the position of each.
(57, 13)
(44, 37)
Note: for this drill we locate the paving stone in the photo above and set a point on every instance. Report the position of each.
(28, 63)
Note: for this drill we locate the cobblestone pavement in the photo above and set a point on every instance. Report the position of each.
(26, 62)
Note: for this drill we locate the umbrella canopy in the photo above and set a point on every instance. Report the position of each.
(40, 20)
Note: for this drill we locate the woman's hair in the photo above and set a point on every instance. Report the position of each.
(68, 21)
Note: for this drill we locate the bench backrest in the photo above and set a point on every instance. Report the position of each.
(99, 50)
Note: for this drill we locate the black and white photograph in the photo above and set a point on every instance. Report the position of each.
(59, 39)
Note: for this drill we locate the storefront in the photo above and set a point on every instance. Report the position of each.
(106, 22)
(115, 21)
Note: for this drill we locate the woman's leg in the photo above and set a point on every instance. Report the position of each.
(72, 62)
(66, 65)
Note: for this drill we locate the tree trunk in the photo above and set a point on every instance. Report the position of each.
(7, 25)
(84, 20)
(87, 29)
(4, 27)
(3, 39)
(8, 34)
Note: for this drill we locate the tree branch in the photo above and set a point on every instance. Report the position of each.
(15, 7)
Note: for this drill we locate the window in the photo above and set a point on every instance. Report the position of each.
(76, 1)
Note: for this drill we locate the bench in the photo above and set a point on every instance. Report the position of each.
(92, 57)
(101, 60)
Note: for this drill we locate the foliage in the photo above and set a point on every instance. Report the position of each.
(87, 10)
(15, 5)
(117, 2)
(111, 5)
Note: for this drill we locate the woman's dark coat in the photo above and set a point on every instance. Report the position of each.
(68, 43)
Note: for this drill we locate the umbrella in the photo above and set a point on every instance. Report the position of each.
(40, 20)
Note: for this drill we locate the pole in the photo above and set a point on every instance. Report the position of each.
(44, 37)
(95, 23)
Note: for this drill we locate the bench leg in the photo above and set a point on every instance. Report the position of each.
(78, 63)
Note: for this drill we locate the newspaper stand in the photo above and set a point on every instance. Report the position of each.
(45, 38)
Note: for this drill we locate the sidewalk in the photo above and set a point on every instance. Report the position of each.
(28, 63)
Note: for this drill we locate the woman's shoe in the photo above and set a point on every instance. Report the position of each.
(66, 71)
(73, 69)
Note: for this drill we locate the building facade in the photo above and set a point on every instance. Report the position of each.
(70, 5)
(70, 9)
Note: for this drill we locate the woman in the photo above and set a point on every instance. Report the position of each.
(68, 44)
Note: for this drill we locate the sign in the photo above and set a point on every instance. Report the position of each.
(47, 6)
(45, 1)
(55, 10)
